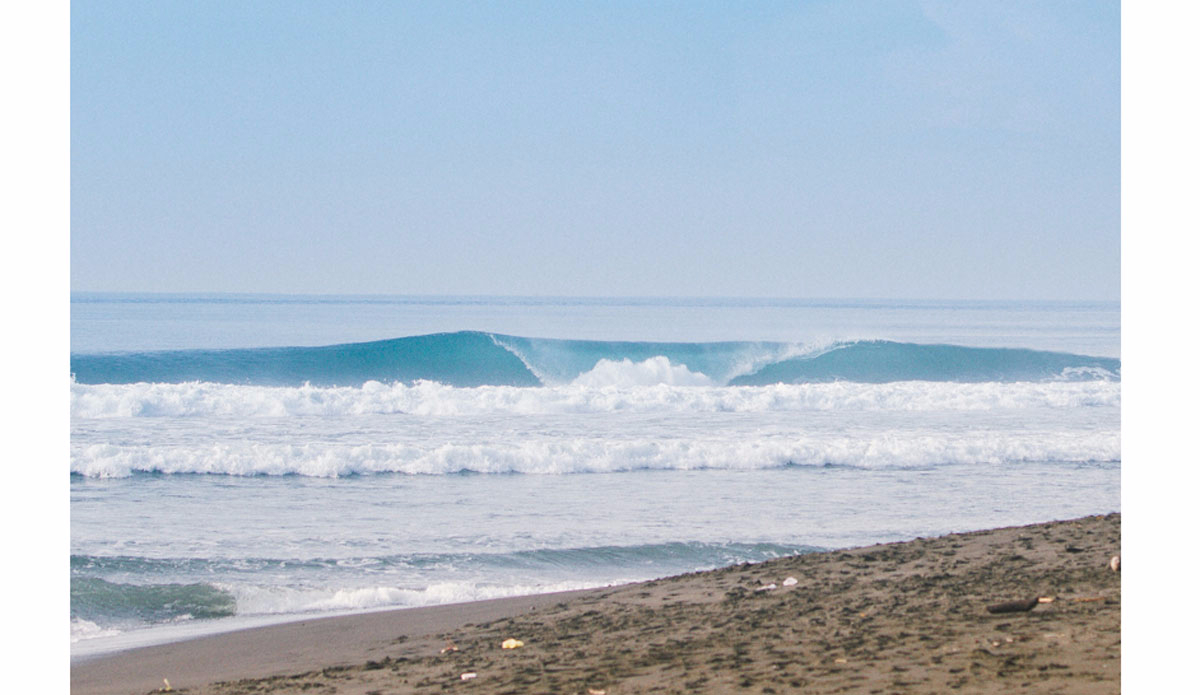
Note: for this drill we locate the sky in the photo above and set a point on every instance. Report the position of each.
(892, 149)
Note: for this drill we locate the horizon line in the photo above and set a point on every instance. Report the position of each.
(382, 295)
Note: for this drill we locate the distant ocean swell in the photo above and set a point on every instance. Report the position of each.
(469, 359)
(551, 455)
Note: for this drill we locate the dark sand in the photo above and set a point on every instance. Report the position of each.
(900, 617)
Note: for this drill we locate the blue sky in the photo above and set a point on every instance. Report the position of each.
(810, 149)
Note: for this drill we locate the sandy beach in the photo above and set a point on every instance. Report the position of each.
(900, 617)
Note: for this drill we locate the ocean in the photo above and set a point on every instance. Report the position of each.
(244, 459)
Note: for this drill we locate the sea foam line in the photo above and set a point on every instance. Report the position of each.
(596, 392)
(598, 455)
(262, 600)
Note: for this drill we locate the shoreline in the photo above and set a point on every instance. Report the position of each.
(283, 648)
(888, 616)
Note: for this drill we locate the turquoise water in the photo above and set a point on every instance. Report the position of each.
(240, 459)
(477, 359)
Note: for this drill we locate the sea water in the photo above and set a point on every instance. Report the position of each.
(242, 459)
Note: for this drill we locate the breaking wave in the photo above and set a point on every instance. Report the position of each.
(468, 359)
(427, 398)
(550, 455)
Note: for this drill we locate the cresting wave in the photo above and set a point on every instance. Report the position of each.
(426, 398)
(94, 599)
(468, 359)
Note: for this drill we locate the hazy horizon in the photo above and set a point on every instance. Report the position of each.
(586, 297)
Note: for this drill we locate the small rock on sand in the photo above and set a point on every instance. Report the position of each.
(1013, 606)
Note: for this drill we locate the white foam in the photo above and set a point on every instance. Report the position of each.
(257, 600)
(564, 455)
(85, 629)
(608, 374)
(647, 387)
(1086, 373)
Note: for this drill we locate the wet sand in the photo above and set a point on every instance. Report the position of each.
(899, 617)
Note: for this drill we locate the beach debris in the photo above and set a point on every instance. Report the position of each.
(511, 643)
(1013, 606)
(1045, 599)
(596, 691)
(450, 647)
(1115, 563)
(768, 587)
(840, 660)
(469, 675)
(166, 686)
(791, 581)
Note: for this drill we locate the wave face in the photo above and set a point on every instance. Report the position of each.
(881, 361)
(96, 599)
(469, 359)
(461, 359)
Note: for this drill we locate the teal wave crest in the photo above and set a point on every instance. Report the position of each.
(97, 599)
(470, 358)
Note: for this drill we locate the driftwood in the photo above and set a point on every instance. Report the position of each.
(1013, 606)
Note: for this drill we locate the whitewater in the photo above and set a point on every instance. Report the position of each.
(246, 459)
